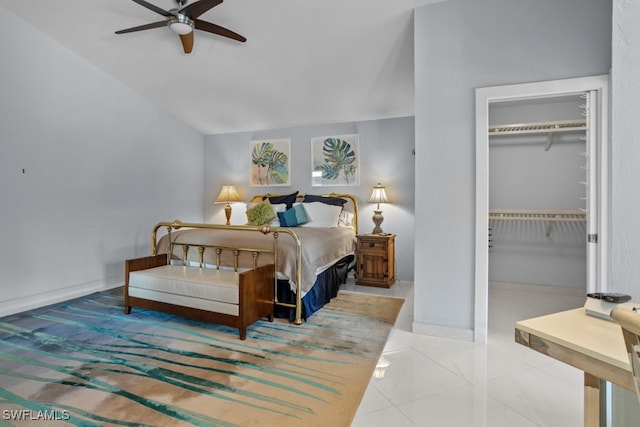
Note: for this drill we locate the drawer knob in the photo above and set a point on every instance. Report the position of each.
(371, 244)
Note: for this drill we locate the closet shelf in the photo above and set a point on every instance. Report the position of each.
(548, 128)
(555, 215)
(541, 127)
(549, 216)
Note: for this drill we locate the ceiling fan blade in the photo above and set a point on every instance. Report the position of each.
(187, 42)
(216, 29)
(153, 7)
(198, 8)
(143, 27)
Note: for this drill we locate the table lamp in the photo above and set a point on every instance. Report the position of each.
(378, 196)
(228, 194)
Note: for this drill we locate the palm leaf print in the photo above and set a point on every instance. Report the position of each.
(272, 161)
(339, 160)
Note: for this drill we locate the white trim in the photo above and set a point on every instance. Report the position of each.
(47, 298)
(592, 192)
(442, 331)
(484, 96)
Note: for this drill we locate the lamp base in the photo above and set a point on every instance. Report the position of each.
(227, 212)
(377, 220)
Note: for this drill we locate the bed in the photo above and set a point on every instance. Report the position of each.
(315, 237)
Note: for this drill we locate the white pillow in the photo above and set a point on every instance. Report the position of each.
(321, 215)
(279, 207)
(345, 220)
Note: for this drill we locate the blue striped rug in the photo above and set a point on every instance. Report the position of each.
(85, 363)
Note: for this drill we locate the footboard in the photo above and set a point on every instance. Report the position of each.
(237, 251)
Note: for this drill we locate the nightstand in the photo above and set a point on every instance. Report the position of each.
(376, 260)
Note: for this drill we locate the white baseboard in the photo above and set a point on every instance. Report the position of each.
(443, 331)
(31, 302)
(404, 277)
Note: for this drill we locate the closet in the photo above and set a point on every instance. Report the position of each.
(539, 192)
(533, 241)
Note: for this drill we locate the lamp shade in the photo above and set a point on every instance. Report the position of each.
(378, 195)
(228, 194)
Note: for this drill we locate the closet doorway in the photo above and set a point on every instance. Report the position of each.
(591, 126)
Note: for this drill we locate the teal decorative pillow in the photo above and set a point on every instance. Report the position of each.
(261, 213)
(293, 217)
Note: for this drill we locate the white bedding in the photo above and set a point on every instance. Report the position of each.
(321, 248)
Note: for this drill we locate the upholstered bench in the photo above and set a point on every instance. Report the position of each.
(223, 296)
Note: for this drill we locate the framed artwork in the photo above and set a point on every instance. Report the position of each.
(335, 161)
(270, 163)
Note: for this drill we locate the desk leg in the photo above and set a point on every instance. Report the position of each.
(591, 400)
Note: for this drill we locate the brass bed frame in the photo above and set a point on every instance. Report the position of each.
(264, 229)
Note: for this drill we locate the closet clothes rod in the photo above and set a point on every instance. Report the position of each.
(549, 216)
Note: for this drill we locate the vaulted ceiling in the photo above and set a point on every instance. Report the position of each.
(305, 62)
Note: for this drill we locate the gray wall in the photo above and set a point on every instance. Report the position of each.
(386, 156)
(100, 168)
(462, 45)
(624, 264)
(624, 255)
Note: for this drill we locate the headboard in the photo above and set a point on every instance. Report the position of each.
(350, 206)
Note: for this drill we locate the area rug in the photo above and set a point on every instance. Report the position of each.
(85, 363)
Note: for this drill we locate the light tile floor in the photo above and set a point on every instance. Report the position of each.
(441, 382)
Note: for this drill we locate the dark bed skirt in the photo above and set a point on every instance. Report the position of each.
(325, 288)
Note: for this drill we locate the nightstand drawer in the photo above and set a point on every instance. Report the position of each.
(371, 245)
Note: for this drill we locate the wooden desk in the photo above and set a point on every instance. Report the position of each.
(593, 345)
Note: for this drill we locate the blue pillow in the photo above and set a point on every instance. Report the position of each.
(293, 217)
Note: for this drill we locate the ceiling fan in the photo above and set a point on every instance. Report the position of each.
(183, 19)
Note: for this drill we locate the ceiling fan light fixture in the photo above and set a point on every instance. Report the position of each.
(180, 24)
(182, 20)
